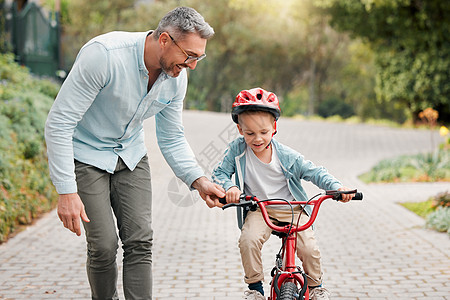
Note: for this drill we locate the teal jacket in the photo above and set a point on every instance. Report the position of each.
(295, 168)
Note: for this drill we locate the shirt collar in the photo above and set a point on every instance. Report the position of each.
(140, 51)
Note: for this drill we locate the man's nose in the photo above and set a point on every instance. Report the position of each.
(192, 65)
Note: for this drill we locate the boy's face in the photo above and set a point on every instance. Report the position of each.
(257, 129)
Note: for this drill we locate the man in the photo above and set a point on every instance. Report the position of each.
(97, 156)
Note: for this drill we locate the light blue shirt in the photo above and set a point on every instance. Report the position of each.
(99, 112)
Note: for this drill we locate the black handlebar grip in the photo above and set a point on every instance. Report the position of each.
(223, 200)
(358, 196)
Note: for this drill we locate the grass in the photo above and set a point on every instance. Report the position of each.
(427, 167)
(422, 209)
(423, 167)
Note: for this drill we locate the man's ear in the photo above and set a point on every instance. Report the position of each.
(163, 39)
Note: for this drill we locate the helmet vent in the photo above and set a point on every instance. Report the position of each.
(256, 99)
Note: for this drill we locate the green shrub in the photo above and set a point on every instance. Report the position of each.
(441, 199)
(435, 210)
(334, 106)
(439, 220)
(420, 167)
(433, 165)
(25, 187)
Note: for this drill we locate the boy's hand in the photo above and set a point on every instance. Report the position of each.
(233, 195)
(346, 197)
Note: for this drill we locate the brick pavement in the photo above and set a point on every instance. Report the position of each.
(373, 249)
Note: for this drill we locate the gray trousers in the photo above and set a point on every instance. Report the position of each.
(127, 194)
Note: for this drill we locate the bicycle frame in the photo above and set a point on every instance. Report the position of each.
(288, 270)
(289, 280)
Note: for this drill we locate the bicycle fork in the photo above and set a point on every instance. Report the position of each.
(286, 271)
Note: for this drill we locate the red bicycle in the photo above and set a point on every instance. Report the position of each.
(289, 281)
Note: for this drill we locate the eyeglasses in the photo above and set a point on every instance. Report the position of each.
(189, 59)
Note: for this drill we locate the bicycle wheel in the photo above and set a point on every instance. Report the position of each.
(288, 291)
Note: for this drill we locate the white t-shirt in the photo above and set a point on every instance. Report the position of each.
(266, 180)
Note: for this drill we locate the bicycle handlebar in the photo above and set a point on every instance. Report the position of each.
(247, 200)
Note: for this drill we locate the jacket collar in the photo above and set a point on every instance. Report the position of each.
(286, 155)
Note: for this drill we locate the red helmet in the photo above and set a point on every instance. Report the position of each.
(256, 99)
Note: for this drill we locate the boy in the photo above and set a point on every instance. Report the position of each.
(267, 169)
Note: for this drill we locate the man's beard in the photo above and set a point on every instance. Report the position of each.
(168, 69)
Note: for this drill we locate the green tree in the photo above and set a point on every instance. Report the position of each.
(3, 37)
(84, 19)
(285, 46)
(411, 39)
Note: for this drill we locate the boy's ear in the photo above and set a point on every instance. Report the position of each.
(240, 129)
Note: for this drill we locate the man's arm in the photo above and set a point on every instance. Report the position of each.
(171, 139)
(178, 154)
(79, 90)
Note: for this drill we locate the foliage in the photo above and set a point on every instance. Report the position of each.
(411, 40)
(84, 19)
(25, 187)
(420, 167)
(394, 64)
(444, 132)
(441, 199)
(435, 210)
(439, 219)
(335, 106)
(434, 166)
(284, 46)
(4, 45)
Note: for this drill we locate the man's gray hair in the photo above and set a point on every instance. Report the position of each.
(183, 20)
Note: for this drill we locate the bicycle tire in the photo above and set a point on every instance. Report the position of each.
(288, 291)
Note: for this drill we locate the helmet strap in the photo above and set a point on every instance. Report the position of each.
(274, 132)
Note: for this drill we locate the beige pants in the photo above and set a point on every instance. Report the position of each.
(255, 233)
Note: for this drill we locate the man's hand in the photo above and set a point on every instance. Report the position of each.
(70, 209)
(209, 191)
